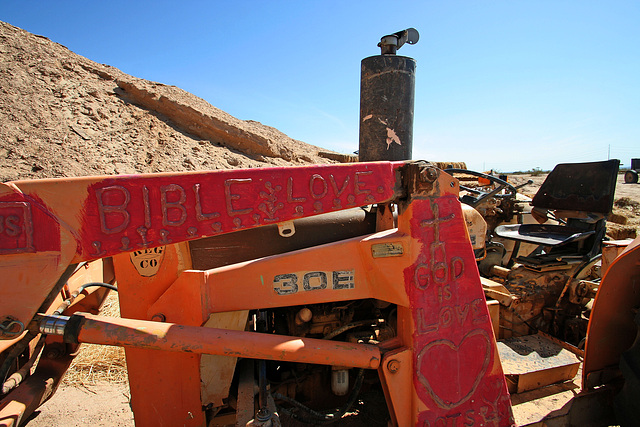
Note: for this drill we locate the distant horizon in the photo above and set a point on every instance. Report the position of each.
(499, 85)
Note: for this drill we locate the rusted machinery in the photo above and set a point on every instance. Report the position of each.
(345, 294)
(547, 264)
(399, 297)
(552, 269)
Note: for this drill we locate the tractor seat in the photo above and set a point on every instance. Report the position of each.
(582, 193)
(543, 234)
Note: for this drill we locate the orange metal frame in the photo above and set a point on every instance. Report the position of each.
(612, 328)
(443, 367)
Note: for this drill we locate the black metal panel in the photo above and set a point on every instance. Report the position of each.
(587, 187)
(387, 88)
(245, 245)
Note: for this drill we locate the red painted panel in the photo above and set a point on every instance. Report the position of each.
(131, 212)
(458, 375)
(26, 225)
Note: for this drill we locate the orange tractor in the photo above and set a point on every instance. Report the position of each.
(300, 295)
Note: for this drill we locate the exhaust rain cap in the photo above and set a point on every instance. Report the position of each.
(391, 43)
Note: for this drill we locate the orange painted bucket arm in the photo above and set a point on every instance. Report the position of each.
(612, 327)
(52, 223)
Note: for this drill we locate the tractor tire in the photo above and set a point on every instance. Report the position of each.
(631, 177)
(627, 402)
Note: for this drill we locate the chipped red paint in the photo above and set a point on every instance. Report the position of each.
(128, 213)
(457, 375)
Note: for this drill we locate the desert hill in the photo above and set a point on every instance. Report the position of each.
(64, 115)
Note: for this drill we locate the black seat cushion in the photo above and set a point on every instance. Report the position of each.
(543, 234)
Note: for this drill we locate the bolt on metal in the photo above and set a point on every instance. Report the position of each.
(429, 174)
(393, 366)
(159, 317)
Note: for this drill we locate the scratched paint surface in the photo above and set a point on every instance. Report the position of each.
(139, 212)
(18, 214)
(457, 375)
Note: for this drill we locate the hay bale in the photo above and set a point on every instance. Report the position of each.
(621, 232)
(447, 165)
(617, 217)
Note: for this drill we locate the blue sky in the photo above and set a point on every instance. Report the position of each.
(508, 85)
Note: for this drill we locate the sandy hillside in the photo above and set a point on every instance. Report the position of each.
(64, 115)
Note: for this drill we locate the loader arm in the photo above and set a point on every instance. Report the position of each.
(441, 368)
(53, 223)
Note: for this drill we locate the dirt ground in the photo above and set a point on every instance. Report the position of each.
(99, 405)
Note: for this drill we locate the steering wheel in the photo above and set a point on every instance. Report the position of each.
(483, 195)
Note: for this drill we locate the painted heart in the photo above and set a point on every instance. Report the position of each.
(451, 373)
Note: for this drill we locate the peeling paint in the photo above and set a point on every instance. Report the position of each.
(392, 137)
(367, 117)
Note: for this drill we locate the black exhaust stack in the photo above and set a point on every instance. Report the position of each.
(387, 88)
